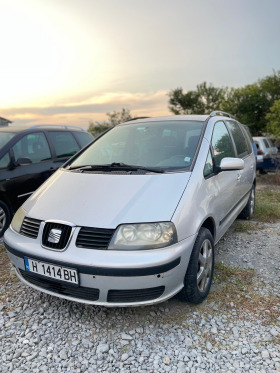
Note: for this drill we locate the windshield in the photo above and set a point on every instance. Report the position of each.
(5, 137)
(167, 145)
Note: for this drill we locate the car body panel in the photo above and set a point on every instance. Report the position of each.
(125, 198)
(75, 257)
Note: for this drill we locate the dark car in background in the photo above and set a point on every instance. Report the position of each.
(28, 156)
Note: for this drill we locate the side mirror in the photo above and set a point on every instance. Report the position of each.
(23, 161)
(231, 164)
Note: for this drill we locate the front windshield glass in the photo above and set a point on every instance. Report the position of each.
(167, 145)
(5, 137)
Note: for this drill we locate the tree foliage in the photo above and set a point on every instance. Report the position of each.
(114, 118)
(273, 119)
(205, 99)
(251, 104)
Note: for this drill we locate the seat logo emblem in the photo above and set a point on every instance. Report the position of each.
(54, 235)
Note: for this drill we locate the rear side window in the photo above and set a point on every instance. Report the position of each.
(248, 138)
(270, 143)
(84, 138)
(266, 144)
(33, 146)
(64, 143)
(221, 143)
(238, 137)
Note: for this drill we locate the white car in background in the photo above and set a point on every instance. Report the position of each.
(265, 146)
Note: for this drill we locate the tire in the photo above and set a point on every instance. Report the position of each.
(5, 217)
(248, 211)
(199, 275)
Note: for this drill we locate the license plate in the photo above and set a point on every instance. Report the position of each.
(51, 271)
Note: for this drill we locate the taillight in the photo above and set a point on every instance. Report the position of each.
(260, 152)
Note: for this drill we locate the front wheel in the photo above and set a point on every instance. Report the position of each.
(200, 270)
(5, 217)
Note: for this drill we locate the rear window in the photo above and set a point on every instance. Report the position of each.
(266, 144)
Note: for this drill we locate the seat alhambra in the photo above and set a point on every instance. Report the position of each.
(133, 218)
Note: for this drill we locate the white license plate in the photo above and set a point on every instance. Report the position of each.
(51, 271)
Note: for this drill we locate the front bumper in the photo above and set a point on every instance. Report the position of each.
(106, 277)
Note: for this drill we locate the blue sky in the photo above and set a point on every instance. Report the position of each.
(71, 61)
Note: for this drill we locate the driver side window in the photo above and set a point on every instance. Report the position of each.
(221, 143)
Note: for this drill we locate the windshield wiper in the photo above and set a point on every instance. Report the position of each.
(115, 166)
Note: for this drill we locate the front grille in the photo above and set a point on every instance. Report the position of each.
(61, 235)
(136, 295)
(79, 292)
(94, 238)
(30, 227)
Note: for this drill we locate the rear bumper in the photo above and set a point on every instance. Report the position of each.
(107, 278)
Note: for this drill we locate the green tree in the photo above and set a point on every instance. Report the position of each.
(273, 119)
(204, 100)
(249, 105)
(114, 118)
(118, 117)
(270, 85)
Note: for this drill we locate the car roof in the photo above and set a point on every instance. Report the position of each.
(260, 137)
(55, 127)
(200, 118)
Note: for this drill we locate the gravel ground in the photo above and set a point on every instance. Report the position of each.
(237, 329)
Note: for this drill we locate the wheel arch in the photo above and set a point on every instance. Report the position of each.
(6, 200)
(209, 223)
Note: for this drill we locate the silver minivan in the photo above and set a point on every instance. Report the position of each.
(133, 218)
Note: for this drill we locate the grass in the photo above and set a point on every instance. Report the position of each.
(236, 276)
(267, 204)
(236, 289)
(245, 227)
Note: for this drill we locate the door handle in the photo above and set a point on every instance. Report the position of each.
(238, 177)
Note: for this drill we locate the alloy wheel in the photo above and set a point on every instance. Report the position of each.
(205, 263)
(2, 219)
(252, 202)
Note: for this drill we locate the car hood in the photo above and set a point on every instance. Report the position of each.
(107, 200)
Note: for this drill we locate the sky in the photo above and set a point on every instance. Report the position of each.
(73, 61)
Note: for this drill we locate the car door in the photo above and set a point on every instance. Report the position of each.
(23, 178)
(243, 151)
(223, 183)
(63, 145)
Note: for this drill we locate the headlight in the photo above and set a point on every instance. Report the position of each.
(18, 219)
(143, 236)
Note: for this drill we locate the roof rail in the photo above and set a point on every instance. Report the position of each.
(129, 120)
(57, 126)
(219, 112)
